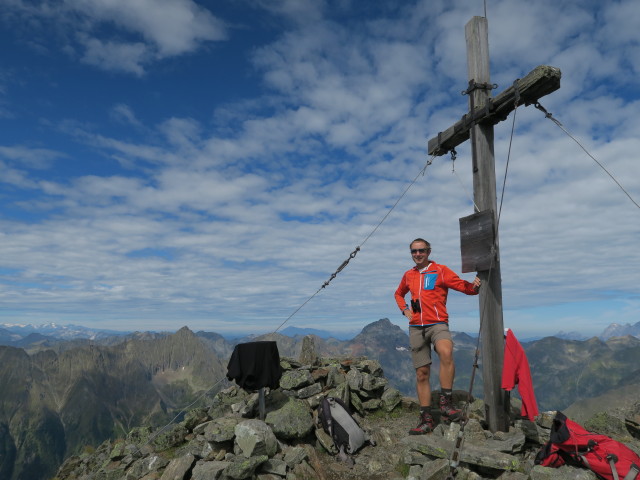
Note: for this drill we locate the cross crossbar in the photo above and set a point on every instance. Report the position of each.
(541, 81)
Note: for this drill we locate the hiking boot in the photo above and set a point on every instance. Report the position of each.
(426, 425)
(447, 411)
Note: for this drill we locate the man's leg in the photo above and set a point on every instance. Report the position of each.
(423, 389)
(421, 359)
(444, 348)
(422, 385)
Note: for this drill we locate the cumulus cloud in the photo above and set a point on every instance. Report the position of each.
(121, 35)
(172, 26)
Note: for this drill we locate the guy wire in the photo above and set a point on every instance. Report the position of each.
(357, 249)
(559, 124)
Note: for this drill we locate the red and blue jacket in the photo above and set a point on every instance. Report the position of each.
(430, 286)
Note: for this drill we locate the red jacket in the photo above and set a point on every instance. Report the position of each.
(431, 286)
(516, 371)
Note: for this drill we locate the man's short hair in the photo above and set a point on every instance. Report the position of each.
(420, 240)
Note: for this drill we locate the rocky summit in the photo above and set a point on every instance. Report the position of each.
(233, 438)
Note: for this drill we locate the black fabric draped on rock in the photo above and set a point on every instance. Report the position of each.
(255, 365)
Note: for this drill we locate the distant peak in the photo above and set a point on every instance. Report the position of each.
(384, 324)
(185, 331)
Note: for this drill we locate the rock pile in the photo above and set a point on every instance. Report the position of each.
(227, 440)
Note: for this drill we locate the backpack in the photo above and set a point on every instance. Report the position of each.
(571, 444)
(336, 419)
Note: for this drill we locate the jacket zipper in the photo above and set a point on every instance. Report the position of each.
(419, 295)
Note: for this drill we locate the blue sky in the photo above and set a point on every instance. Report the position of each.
(210, 164)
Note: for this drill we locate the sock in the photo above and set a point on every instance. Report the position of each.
(447, 391)
(424, 410)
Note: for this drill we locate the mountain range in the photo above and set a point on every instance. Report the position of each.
(60, 394)
(56, 402)
(27, 334)
(617, 330)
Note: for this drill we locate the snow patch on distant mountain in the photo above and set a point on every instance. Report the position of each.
(63, 332)
(617, 330)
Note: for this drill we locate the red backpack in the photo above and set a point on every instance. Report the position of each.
(571, 444)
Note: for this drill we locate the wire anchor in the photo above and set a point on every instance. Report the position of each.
(547, 114)
(341, 267)
(516, 92)
(473, 85)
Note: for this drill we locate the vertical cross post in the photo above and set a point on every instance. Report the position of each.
(484, 192)
(484, 112)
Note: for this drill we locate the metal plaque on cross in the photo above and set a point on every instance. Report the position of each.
(477, 236)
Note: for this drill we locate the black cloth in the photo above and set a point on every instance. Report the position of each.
(255, 365)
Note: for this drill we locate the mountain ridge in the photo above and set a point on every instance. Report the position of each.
(10, 332)
(146, 376)
(84, 395)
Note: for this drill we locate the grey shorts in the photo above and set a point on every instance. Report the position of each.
(421, 339)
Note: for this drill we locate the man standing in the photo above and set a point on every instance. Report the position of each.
(429, 284)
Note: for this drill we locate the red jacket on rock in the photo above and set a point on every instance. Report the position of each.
(430, 286)
(516, 371)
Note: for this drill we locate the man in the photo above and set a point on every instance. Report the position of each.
(429, 284)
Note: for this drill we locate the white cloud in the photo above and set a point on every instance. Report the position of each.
(119, 35)
(173, 26)
(39, 158)
(126, 57)
(125, 114)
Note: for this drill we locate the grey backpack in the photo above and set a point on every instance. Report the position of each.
(336, 419)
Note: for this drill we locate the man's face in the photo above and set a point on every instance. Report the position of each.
(420, 253)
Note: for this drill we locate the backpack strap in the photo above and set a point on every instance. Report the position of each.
(330, 402)
(612, 463)
(342, 455)
(632, 474)
(634, 470)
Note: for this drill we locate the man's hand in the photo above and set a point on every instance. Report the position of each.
(476, 283)
(408, 313)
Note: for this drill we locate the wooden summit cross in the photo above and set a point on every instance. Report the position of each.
(484, 113)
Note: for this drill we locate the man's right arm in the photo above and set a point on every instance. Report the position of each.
(401, 291)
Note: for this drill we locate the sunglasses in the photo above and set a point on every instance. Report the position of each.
(418, 250)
